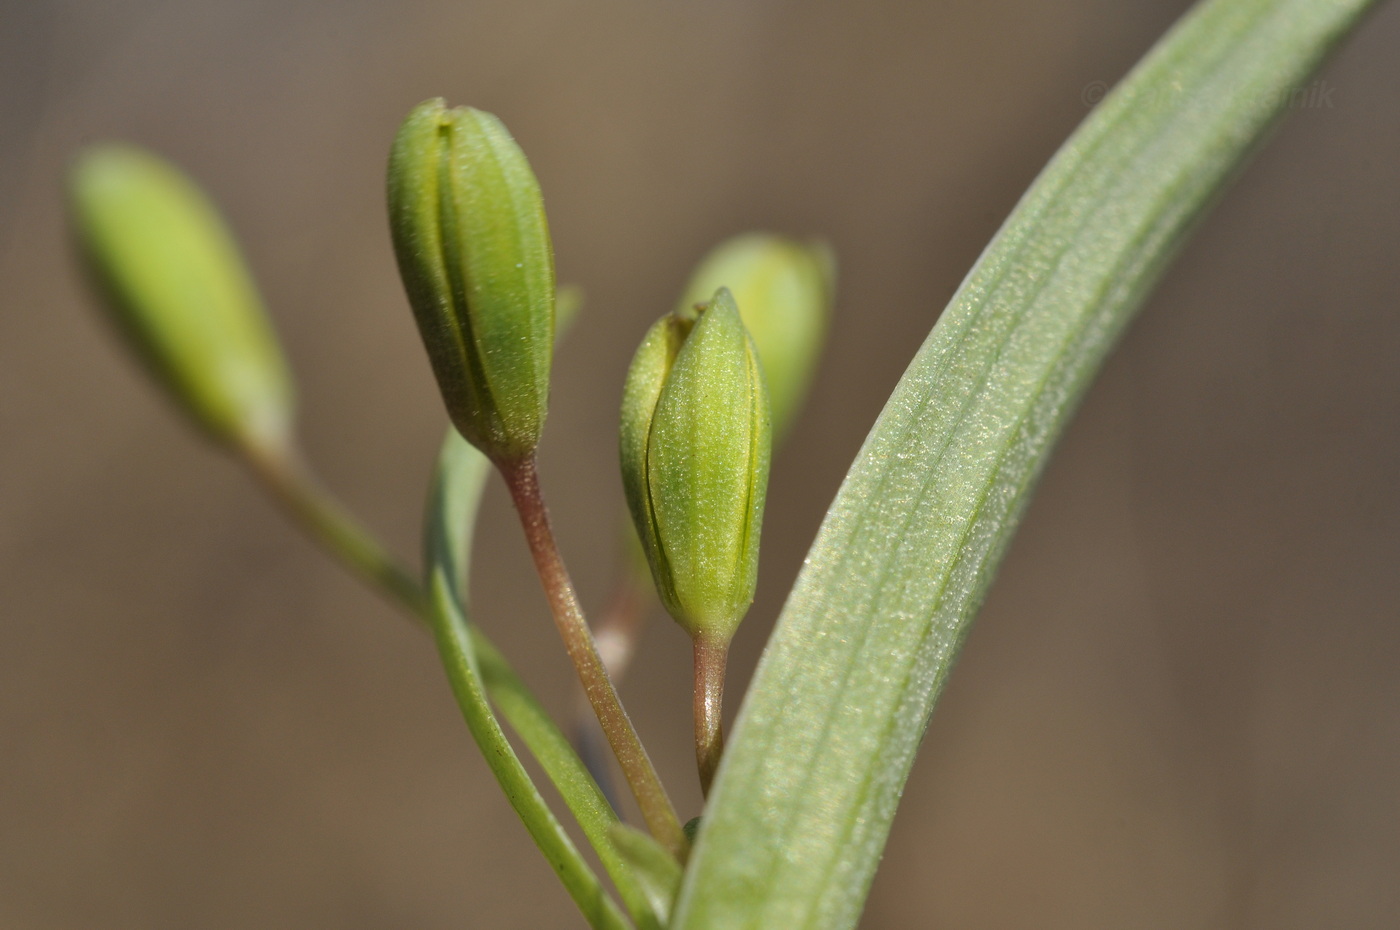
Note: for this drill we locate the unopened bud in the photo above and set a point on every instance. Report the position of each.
(171, 273)
(784, 289)
(695, 446)
(473, 249)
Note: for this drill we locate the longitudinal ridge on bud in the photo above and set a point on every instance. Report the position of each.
(695, 445)
(474, 252)
(695, 448)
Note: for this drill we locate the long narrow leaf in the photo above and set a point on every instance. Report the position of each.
(461, 474)
(826, 737)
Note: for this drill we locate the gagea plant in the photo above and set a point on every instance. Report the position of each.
(799, 801)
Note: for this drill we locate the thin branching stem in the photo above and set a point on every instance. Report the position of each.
(522, 479)
(285, 475)
(616, 635)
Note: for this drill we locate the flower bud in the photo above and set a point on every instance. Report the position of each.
(784, 290)
(474, 253)
(568, 304)
(171, 273)
(695, 445)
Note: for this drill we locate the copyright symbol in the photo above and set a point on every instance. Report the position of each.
(1092, 93)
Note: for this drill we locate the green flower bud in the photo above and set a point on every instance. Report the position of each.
(784, 290)
(568, 304)
(475, 257)
(171, 273)
(695, 444)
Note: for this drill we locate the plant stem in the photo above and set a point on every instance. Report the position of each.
(291, 482)
(522, 479)
(711, 657)
(616, 638)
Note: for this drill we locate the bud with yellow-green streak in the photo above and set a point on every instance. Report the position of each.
(474, 253)
(784, 289)
(695, 446)
(172, 274)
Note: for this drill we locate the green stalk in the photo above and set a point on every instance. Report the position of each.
(451, 513)
(325, 520)
(462, 479)
(567, 772)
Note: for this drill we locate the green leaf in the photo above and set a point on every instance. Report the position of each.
(462, 473)
(824, 742)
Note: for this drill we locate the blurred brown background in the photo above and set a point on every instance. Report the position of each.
(1180, 708)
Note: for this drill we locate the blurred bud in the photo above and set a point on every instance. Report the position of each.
(784, 290)
(568, 303)
(695, 443)
(170, 271)
(473, 249)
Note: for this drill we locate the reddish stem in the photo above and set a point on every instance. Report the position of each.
(522, 479)
(711, 656)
